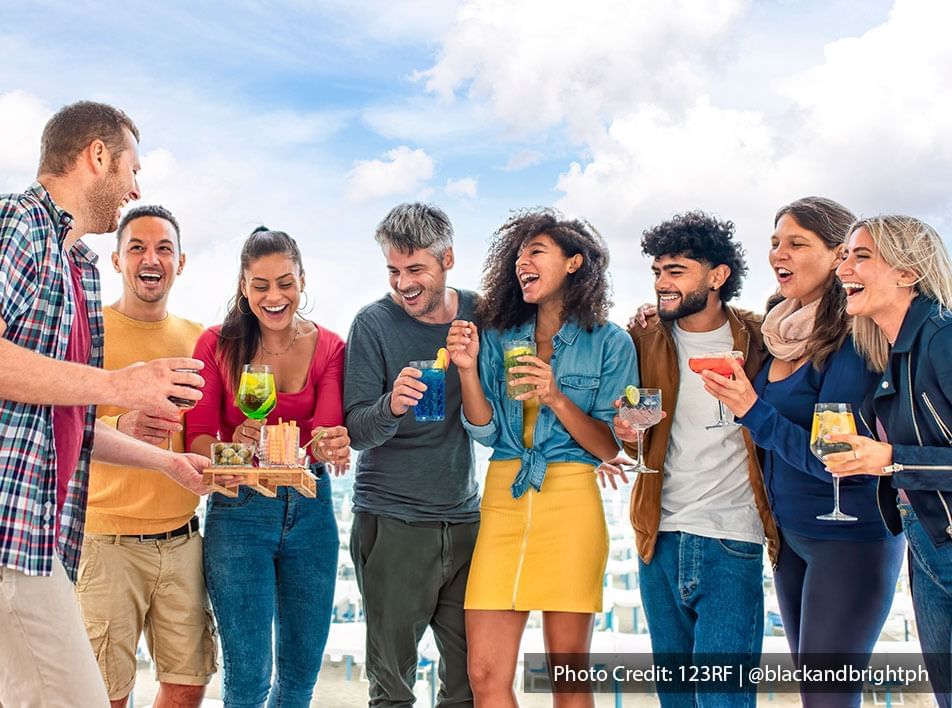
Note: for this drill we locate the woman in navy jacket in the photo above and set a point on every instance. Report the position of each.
(898, 279)
(835, 581)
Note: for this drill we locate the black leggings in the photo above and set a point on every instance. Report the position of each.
(835, 596)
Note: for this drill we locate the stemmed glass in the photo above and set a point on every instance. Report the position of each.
(257, 395)
(640, 408)
(830, 419)
(718, 362)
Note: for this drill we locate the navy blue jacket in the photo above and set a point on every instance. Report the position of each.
(798, 485)
(913, 401)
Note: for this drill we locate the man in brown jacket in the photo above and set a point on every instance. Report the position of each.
(702, 522)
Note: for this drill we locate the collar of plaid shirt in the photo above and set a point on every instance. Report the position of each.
(36, 303)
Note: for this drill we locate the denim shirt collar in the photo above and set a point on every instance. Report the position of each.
(532, 462)
(567, 333)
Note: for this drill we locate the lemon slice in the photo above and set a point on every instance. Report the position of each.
(514, 354)
(632, 395)
(442, 358)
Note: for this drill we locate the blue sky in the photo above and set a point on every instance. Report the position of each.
(317, 117)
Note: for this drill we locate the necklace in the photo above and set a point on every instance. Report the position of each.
(283, 351)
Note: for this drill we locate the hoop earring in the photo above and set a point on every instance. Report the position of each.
(238, 305)
(307, 302)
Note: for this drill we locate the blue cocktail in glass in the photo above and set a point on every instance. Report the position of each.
(432, 407)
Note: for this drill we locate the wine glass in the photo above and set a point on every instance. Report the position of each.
(257, 395)
(829, 419)
(640, 408)
(718, 362)
(184, 404)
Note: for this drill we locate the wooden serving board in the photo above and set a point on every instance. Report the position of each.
(264, 480)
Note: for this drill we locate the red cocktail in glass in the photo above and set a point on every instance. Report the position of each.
(719, 363)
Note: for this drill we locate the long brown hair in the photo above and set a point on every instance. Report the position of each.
(240, 332)
(830, 221)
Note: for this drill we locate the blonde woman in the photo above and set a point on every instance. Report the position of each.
(898, 281)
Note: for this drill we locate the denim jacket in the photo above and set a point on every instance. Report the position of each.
(591, 368)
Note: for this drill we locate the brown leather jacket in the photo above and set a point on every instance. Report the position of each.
(658, 363)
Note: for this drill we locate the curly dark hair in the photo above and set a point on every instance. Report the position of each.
(587, 290)
(701, 237)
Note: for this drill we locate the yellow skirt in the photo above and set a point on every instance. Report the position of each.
(544, 551)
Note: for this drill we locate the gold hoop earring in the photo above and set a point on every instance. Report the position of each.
(238, 305)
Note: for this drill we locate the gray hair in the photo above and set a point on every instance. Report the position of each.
(411, 227)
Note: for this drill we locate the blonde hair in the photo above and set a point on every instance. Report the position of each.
(905, 243)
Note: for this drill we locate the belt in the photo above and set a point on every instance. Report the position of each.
(188, 528)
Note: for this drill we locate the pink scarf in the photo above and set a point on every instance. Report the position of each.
(787, 327)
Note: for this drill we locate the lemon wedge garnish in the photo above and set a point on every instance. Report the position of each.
(442, 358)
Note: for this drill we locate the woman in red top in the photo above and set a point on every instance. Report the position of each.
(272, 562)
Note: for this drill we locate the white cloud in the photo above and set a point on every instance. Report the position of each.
(22, 117)
(463, 187)
(634, 86)
(523, 159)
(404, 171)
(538, 64)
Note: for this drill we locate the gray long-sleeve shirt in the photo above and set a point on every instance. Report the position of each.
(405, 470)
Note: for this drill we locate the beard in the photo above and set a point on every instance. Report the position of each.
(430, 300)
(691, 303)
(102, 202)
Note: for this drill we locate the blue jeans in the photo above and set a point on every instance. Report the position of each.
(272, 563)
(930, 569)
(704, 596)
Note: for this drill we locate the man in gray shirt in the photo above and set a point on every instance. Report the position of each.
(416, 504)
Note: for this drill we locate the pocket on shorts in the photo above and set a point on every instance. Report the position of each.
(87, 563)
(98, 632)
(742, 549)
(210, 643)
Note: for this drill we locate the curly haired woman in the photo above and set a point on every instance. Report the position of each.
(542, 542)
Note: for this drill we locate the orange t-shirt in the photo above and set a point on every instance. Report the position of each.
(130, 500)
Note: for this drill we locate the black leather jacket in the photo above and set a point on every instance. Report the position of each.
(913, 401)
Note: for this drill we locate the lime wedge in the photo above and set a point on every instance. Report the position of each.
(632, 395)
(269, 403)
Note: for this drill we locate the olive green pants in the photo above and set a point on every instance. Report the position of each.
(413, 576)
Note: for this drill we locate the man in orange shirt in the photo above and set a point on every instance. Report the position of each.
(141, 564)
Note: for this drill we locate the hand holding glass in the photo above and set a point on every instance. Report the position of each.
(511, 351)
(432, 407)
(640, 408)
(830, 419)
(719, 363)
(257, 395)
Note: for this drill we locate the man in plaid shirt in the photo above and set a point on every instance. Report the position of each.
(50, 381)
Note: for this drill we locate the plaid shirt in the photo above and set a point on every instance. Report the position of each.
(36, 303)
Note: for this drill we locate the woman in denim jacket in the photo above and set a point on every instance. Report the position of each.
(542, 542)
(898, 279)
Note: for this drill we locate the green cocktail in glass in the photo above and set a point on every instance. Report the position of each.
(257, 395)
(511, 351)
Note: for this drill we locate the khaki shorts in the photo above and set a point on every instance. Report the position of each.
(127, 587)
(45, 661)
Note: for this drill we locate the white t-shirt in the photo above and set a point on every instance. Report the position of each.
(706, 488)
